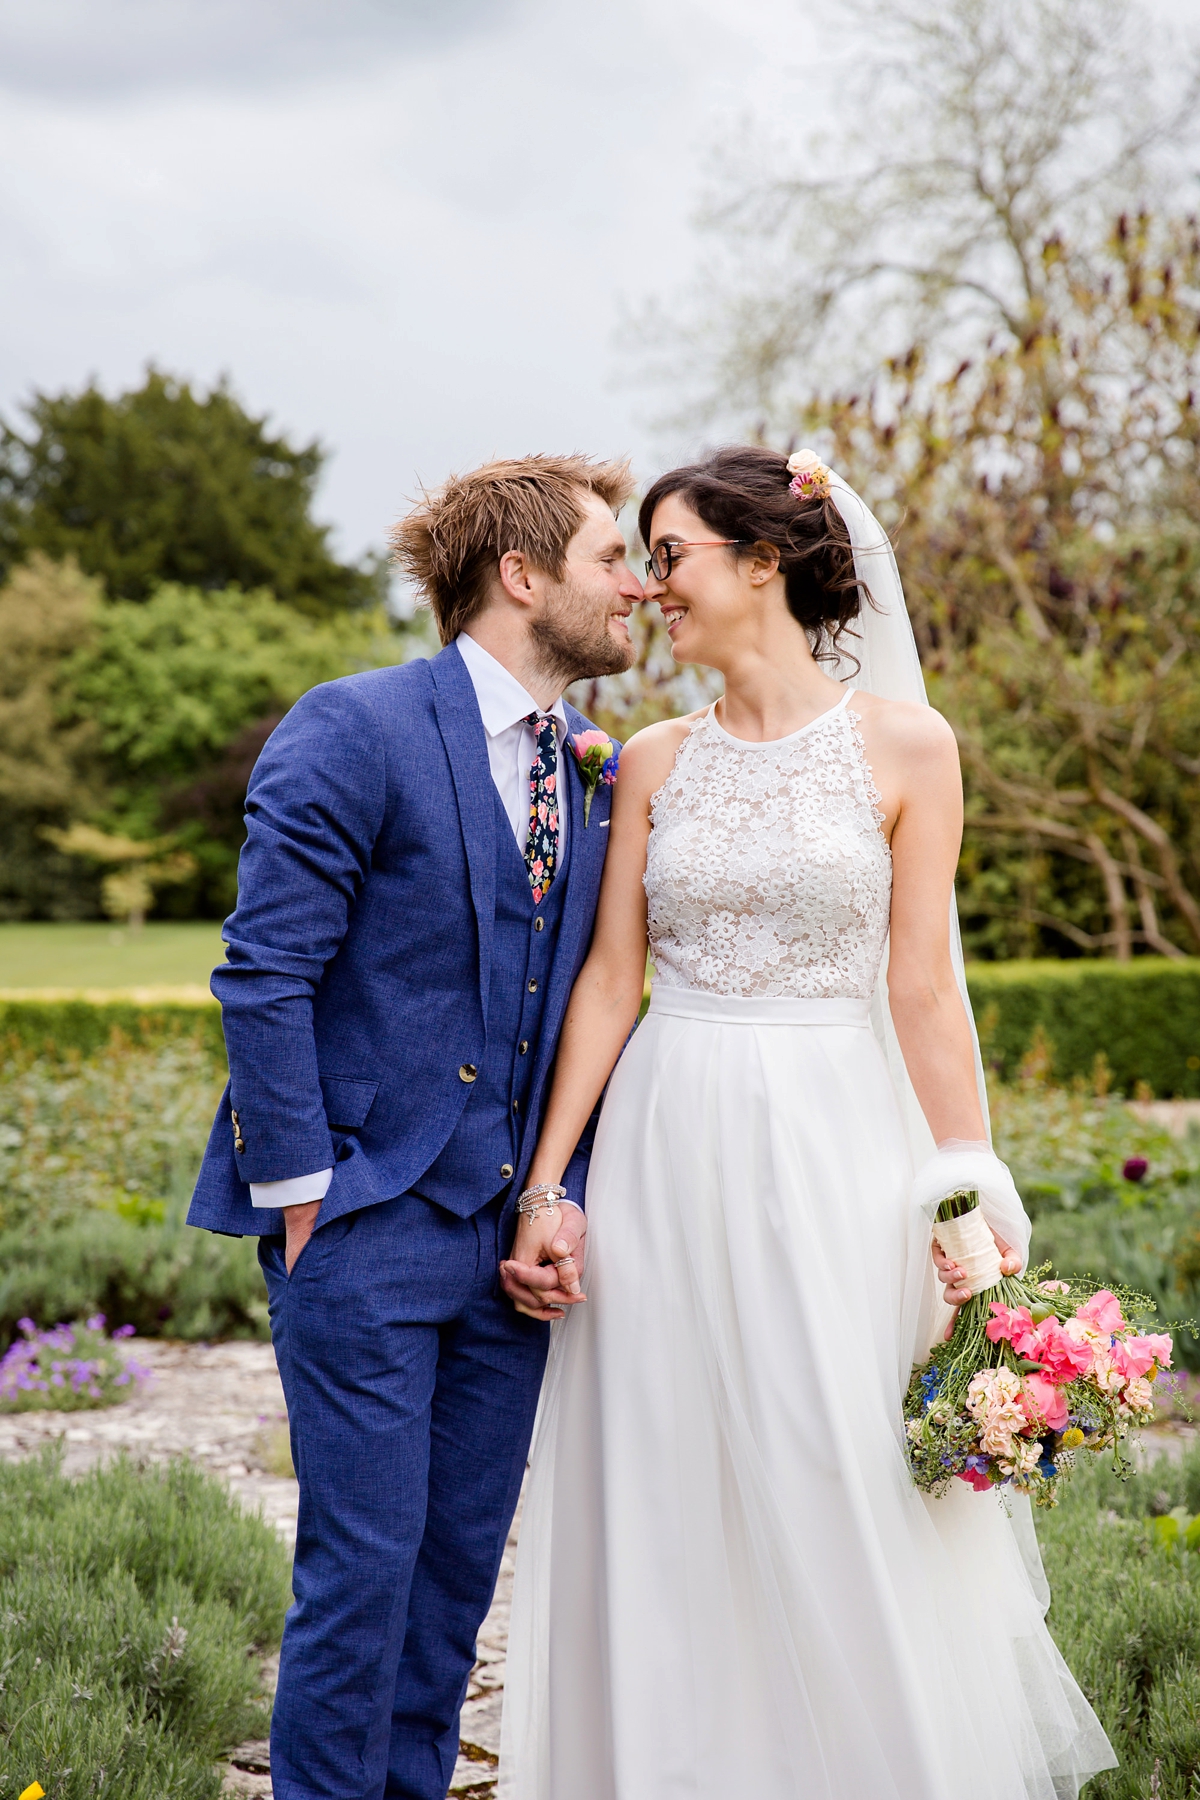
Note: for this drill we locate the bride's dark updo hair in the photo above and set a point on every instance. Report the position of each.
(744, 491)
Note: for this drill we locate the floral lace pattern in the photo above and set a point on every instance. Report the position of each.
(767, 872)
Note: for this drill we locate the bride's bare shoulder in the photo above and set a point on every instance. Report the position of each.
(647, 759)
(905, 731)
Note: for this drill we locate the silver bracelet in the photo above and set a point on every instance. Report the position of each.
(542, 1198)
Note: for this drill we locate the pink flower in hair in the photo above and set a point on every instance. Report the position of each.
(810, 477)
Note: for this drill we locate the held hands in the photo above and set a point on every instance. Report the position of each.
(543, 1274)
(956, 1291)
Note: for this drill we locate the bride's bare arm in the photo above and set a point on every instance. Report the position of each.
(930, 1019)
(917, 758)
(600, 1014)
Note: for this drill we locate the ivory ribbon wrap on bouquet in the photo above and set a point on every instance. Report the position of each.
(999, 1202)
(968, 1241)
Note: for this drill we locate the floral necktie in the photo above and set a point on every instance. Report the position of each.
(541, 847)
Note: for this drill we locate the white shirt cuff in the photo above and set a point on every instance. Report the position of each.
(293, 1192)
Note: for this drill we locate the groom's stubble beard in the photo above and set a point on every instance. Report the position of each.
(572, 641)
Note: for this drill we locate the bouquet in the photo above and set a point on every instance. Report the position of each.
(1034, 1371)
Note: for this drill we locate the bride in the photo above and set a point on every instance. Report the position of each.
(727, 1587)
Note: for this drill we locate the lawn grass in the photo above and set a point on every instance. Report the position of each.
(135, 1605)
(107, 956)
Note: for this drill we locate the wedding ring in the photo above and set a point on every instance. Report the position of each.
(563, 1261)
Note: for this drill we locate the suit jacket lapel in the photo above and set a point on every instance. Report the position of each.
(462, 731)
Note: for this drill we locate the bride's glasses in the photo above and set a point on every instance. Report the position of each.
(662, 560)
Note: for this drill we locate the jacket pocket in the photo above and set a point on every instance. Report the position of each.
(347, 1100)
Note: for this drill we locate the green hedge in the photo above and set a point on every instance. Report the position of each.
(1143, 1015)
(64, 1027)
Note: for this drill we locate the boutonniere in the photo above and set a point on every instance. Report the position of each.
(597, 757)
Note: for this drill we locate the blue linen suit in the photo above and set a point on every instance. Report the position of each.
(391, 1006)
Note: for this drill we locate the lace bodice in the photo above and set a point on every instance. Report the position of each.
(767, 872)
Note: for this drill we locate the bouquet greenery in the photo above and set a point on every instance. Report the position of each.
(1034, 1371)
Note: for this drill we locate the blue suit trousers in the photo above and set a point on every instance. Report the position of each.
(411, 1402)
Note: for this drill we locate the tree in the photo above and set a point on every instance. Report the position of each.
(163, 484)
(122, 722)
(977, 133)
(47, 766)
(137, 868)
(1033, 442)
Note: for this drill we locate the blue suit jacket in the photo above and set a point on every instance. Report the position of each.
(358, 957)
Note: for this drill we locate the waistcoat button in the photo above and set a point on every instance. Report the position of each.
(523, 1046)
(539, 924)
(468, 1072)
(506, 1171)
(532, 986)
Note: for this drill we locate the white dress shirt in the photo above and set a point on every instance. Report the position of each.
(512, 745)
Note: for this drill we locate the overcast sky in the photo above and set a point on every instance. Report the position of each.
(408, 227)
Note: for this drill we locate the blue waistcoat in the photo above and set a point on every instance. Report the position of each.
(378, 906)
(484, 1149)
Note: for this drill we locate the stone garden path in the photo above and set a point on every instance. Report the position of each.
(222, 1405)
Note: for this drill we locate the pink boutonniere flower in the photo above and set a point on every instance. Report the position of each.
(597, 757)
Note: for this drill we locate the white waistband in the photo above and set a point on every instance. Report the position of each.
(754, 1009)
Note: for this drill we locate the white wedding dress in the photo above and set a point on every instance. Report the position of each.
(727, 1587)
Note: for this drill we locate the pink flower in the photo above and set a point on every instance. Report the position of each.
(1105, 1373)
(1103, 1311)
(1016, 1326)
(1136, 1356)
(584, 741)
(1043, 1403)
(1062, 1357)
(976, 1479)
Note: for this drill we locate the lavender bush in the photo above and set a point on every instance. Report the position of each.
(67, 1367)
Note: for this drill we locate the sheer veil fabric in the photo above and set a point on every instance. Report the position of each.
(727, 1587)
(883, 646)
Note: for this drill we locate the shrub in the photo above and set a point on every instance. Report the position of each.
(66, 1368)
(122, 1130)
(98, 1156)
(1126, 1615)
(131, 1605)
(60, 1028)
(165, 1280)
(1143, 1016)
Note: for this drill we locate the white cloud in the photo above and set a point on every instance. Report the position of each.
(82, 48)
(417, 254)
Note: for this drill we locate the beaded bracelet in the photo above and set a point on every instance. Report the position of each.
(542, 1198)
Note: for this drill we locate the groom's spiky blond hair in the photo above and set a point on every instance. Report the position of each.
(449, 545)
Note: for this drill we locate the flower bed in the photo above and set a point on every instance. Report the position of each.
(67, 1367)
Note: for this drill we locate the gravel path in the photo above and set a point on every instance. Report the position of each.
(222, 1405)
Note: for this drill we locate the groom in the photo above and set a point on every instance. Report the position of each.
(415, 899)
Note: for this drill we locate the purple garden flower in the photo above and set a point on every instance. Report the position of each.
(1135, 1168)
(70, 1365)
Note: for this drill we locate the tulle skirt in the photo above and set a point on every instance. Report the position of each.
(727, 1587)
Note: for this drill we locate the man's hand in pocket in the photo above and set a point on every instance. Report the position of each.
(298, 1223)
